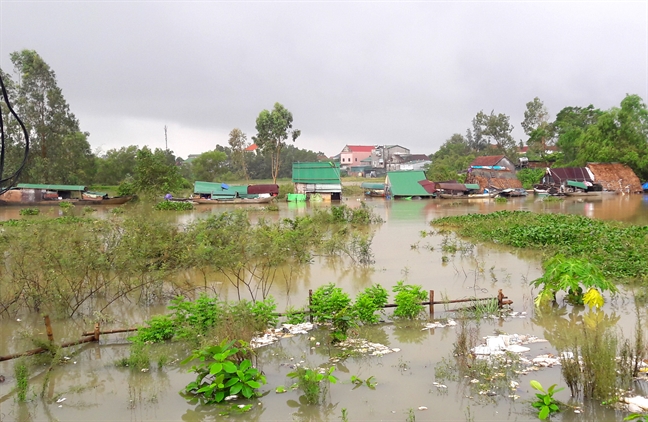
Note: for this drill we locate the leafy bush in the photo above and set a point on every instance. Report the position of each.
(221, 373)
(138, 359)
(126, 188)
(160, 328)
(295, 316)
(370, 301)
(66, 205)
(327, 301)
(530, 177)
(408, 300)
(263, 311)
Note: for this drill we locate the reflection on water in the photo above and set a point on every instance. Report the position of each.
(96, 390)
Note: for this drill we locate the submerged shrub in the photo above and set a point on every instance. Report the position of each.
(408, 300)
(370, 301)
(29, 211)
(224, 370)
(327, 301)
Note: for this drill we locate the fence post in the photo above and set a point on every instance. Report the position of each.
(431, 302)
(500, 299)
(96, 332)
(310, 303)
(48, 328)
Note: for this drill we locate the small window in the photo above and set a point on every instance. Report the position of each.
(356, 159)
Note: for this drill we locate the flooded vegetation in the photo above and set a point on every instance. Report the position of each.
(211, 293)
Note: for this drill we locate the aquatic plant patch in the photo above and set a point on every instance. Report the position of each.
(619, 250)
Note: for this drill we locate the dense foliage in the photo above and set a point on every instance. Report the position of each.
(50, 267)
(619, 250)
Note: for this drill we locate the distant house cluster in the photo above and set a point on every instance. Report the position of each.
(377, 160)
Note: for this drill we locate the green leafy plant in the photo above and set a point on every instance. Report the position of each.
(222, 373)
(174, 206)
(66, 205)
(580, 279)
(294, 315)
(160, 328)
(263, 311)
(501, 200)
(545, 404)
(22, 380)
(408, 300)
(369, 382)
(342, 321)
(29, 211)
(327, 301)
(138, 359)
(370, 301)
(310, 381)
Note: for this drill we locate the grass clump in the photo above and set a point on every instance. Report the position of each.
(313, 382)
(22, 380)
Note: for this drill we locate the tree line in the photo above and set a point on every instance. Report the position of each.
(576, 136)
(61, 154)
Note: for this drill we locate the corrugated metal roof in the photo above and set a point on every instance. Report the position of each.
(472, 186)
(218, 188)
(429, 187)
(561, 175)
(406, 183)
(576, 184)
(487, 160)
(316, 172)
(51, 187)
(452, 186)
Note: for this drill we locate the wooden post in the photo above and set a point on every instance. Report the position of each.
(48, 328)
(96, 331)
(500, 299)
(310, 303)
(431, 302)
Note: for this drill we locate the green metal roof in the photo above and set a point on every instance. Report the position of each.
(406, 183)
(370, 185)
(576, 184)
(316, 172)
(217, 188)
(51, 187)
(472, 186)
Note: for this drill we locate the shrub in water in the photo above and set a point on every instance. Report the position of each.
(29, 211)
(327, 301)
(408, 300)
(370, 301)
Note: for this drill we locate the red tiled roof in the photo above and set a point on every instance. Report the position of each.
(252, 147)
(360, 148)
(487, 160)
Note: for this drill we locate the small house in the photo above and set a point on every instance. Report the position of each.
(493, 172)
(352, 155)
(400, 184)
(321, 178)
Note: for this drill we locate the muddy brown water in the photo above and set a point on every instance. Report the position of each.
(94, 389)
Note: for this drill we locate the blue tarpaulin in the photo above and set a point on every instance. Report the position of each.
(645, 186)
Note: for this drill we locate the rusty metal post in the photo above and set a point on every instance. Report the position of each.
(48, 328)
(310, 303)
(500, 299)
(96, 331)
(431, 302)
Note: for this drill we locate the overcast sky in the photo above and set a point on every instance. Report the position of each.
(407, 73)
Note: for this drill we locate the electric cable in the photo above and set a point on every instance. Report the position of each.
(8, 182)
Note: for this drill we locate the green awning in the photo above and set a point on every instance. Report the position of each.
(51, 187)
(472, 186)
(576, 184)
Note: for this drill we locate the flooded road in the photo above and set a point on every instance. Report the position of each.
(94, 389)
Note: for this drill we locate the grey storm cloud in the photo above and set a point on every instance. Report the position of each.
(409, 73)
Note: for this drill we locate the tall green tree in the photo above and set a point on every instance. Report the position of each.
(493, 129)
(59, 150)
(209, 166)
(454, 156)
(116, 165)
(238, 142)
(538, 128)
(274, 128)
(570, 125)
(155, 174)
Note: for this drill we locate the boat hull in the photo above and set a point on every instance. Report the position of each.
(119, 200)
(237, 201)
(474, 196)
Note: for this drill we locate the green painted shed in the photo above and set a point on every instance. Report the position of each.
(406, 183)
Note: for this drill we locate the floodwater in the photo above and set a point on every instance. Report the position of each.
(94, 389)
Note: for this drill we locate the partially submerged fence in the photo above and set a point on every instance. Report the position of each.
(93, 336)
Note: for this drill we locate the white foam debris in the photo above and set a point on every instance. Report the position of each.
(547, 360)
(636, 404)
(497, 345)
(286, 330)
(367, 347)
(439, 324)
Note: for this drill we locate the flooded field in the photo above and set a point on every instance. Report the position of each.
(417, 381)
